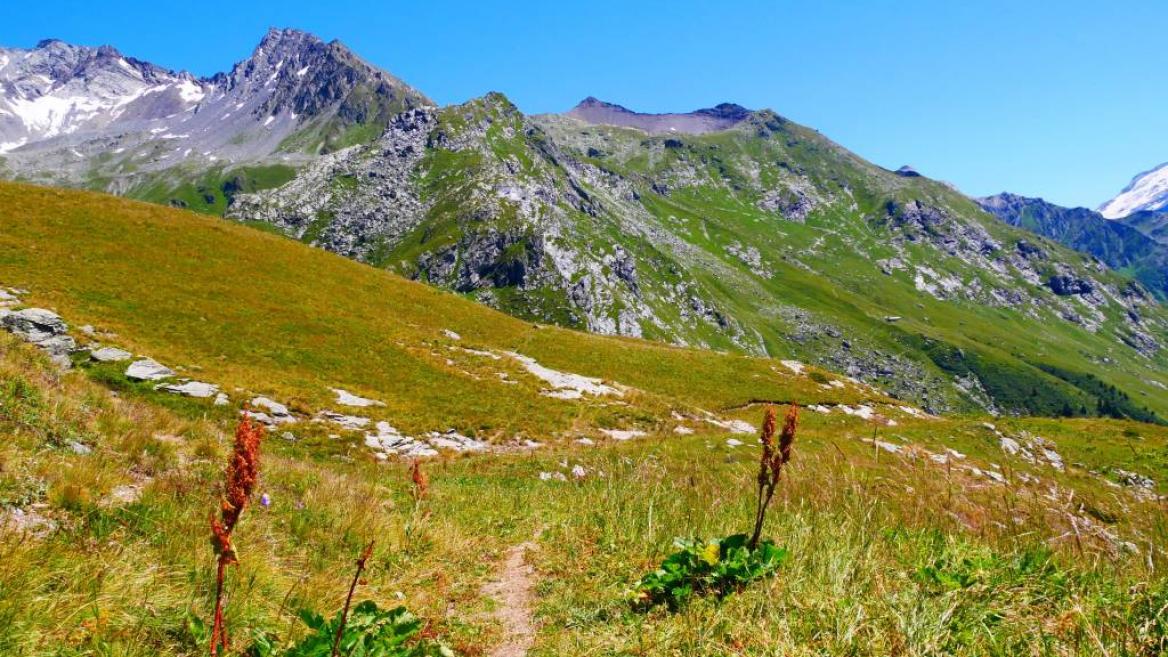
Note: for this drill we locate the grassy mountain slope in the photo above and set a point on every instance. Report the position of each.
(250, 310)
(765, 238)
(898, 546)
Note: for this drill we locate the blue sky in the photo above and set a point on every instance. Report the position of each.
(1065, 100)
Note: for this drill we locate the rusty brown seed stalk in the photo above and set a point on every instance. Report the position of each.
(770, 467)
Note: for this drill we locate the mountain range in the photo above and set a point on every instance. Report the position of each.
(81, 116)
(724, 228)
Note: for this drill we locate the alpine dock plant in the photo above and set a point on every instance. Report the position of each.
(722, 566)
(771, 462)
(239, 483)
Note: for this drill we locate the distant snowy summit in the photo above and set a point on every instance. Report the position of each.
(1147, 192)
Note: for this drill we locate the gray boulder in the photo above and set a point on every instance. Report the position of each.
(196, 389)
(41, 327)
(148, 369)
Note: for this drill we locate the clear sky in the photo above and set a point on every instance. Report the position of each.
(1061, 99)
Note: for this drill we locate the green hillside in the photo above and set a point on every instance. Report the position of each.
(765, 238)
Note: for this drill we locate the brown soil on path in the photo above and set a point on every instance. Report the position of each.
(512, 590)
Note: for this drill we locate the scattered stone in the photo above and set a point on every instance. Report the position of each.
(35, 325)
(346, 398)
(351, 422)
(88, 329)
(1030, 448)
(733, 426)
(682, 431)
(733, 442)
(274, 412)
(588, 442)
(454, 441)
(110, 355)
(124, 495)
(1135, 480)
(31, 521)
(862, 411)
(451, 334)
(622, 435)
(888, 447)
(793, 365)
(81, 449)
(221, 399)
(148, 369)
(196, 389)
(388, 440)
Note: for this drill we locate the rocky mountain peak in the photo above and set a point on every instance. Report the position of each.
(711, 119)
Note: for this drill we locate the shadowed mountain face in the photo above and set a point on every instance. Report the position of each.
(1154, 224)
(720, 117)
(1119, 245)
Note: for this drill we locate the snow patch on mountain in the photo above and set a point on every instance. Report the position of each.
(1147, 191)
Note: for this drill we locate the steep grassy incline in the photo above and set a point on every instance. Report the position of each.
(248, 310)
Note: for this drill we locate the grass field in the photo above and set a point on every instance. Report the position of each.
(892, 552)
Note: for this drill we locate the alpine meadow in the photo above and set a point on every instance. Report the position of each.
(298, 361)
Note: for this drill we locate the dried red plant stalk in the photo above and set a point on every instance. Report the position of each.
(239, 483)
(421, 481)
(771, 462)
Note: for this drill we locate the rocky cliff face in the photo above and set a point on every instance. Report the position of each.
(761, 236)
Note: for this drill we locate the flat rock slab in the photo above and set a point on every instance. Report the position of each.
(148, 369)
(346, 421)
(110, 355)
(346, 398)
(196, 389)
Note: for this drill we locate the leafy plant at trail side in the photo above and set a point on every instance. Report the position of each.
(367, 632)
(718, 567)
(722, 566)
